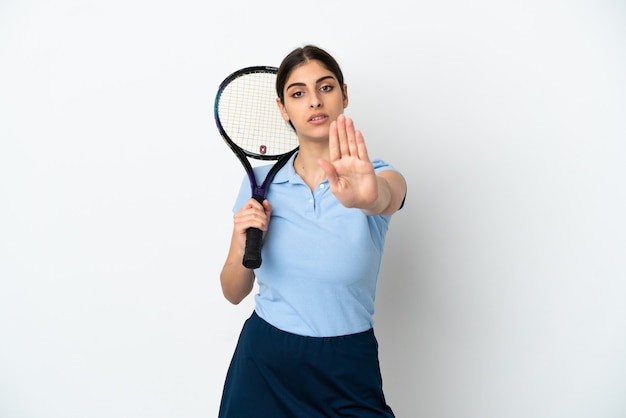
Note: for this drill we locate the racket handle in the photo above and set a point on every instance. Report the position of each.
(252, 255)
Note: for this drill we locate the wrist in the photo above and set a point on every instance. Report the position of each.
(383, 197)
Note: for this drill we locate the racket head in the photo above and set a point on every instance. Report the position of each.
(248, 118)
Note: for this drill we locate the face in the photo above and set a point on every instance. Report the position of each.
(313, 99)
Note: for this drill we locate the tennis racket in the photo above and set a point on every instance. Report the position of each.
(248, 119)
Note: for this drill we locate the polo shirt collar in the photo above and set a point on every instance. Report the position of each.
(288, 172)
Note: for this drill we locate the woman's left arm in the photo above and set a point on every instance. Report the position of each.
(352, 177)
(391, 192)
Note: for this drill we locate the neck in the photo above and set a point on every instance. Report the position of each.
(309, 170)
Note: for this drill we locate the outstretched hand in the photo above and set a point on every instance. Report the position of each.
(350, 172)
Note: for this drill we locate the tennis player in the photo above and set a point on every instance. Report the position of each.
(308, 349)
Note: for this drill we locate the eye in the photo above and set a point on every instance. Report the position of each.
(326, 88)
(296, 94)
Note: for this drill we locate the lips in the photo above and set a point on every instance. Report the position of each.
(318, 117)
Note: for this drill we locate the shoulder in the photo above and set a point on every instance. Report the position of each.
(262, 170)
(395, 179)
(380, 165)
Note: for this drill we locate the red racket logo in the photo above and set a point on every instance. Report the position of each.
(262, 150)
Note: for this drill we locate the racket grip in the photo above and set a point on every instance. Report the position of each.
(252, 255)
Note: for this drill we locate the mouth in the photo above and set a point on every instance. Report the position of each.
(318, 118)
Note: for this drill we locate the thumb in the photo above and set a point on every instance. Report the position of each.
(329, 169)
(267, 207)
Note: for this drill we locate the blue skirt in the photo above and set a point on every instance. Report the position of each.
(276, 374)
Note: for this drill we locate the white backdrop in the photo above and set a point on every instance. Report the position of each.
(503, 287)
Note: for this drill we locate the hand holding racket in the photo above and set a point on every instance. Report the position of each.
(248, 119)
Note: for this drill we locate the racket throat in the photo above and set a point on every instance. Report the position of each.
(258, 194)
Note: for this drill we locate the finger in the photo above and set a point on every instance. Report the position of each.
(343, 137)
(361, 148)
(330, 170)
(333, 142)
(254, 212)
(350, 134)
(252, 203)
(251, 219)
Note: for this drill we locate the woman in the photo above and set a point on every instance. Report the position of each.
(309, 349)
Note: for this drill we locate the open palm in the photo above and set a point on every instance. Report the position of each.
(350, 172)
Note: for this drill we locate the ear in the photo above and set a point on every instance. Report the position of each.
(345, 95)
(282, 109)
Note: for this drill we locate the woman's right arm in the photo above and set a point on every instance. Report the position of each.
(237, 281)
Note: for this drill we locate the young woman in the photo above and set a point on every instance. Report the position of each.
(308, 349)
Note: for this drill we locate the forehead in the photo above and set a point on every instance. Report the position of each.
(308, 71)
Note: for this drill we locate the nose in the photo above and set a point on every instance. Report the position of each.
(315, 101)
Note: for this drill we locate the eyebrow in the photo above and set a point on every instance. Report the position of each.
(319, 80)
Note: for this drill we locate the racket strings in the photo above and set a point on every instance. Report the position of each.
(249, 115)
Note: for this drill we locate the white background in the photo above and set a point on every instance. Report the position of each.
(503, 290)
